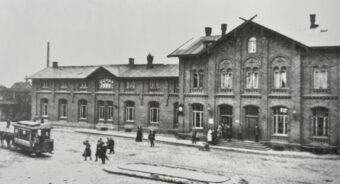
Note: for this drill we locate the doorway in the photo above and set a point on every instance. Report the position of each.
(251, 121)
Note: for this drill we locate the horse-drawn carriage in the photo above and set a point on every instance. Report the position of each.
(29, 136)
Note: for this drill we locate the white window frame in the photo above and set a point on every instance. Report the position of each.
(276, 120)
(109, 112)
(199, 114)
(101, 109)
(83, 111)
(226, 79)
(130, 113)
(152, 111)
(63, 110)
(255, 79)
(315, 123)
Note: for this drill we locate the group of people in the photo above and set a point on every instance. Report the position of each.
(101, 149)
(151, 137)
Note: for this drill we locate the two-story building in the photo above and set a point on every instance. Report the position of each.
(254, 76)
(119, 95)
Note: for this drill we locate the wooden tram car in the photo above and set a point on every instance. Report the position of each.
(32, 137)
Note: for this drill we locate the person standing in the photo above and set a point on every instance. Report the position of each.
(209, 136)
(111, 145)
(8, 123)
(257, 133)
(99, 148)
(194, 136)
(152, 138)
(219, 130)
(229, 133)
(87, 151)
(139, 136)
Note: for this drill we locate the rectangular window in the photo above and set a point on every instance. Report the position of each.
(44, 84)
(63, 85)
(130, 114)
(154, 115)
(63, 110)
(255, 80)
(83, 85)
(280, 119)
(249, 81)
(44, 110)
(83, 111)
(197, 119)
(110, 113)
(130, 85)
(101, 112)
(153, 85)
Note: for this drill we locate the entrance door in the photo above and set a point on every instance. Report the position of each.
(251, 121)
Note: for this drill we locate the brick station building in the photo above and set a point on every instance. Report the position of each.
(288, 85)
(118, 95)
(246, 77)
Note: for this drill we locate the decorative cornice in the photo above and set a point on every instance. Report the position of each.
(196, 95)
(225, 95)
(129, 93)
(153, 94)
(322, 97)
(173, 94)
(251, 96)
(279, 96)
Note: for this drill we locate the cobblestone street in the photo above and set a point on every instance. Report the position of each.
(66, 165)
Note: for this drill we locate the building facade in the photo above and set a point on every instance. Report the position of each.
(124, 96)
(254, 76)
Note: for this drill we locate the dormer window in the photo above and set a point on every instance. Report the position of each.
(252, 45)
(106, 83)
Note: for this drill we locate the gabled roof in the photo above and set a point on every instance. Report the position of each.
(306, 37)
(125, 71)
(65, 72)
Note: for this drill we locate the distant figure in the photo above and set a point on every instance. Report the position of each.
(139, 136)
(152, 138)
(99, 148)
(219, 130)
(8, 123)
(257, 133)
(87, 151)
(194, 136)
(111, 145)
(209, 136)
(229, 132)
(102, 155)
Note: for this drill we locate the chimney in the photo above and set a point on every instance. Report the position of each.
(312, 21)
(207, 31)
(223, 29)
(48, 55)
(55, 64)
(131, 61)
(150, 59)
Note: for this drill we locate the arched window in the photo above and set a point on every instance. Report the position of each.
(82, 105)
(280, 120)
(100, 110)
(129, 111)
(44, 107)
(62, 109)
(226, 79)
(197, 116)
(320, 121)
(276, 78)
(252, 45)
(324, 78)
(252, 75)
(255, 78)
(154, 112)
(109, 110)
(279, 65)
(249, 81)
(283, 77)
(105, 83)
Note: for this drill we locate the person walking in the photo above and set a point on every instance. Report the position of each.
(194, 136)
(257, 133)
(87, 151)
(99, 148)
(139, 136)
(111, 145)
(103, 155)
(152, 138)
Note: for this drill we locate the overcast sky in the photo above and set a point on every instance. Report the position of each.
(92, 32)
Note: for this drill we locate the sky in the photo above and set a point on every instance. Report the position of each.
(93, 32)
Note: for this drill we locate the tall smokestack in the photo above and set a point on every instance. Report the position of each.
(48, 55)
